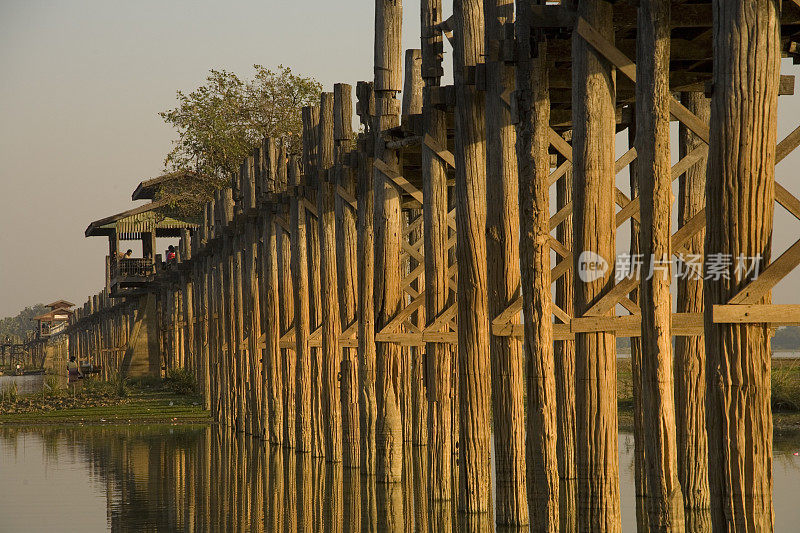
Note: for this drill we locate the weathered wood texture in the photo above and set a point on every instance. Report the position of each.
(310, 156)
(533, 134)
(346, 261)
(413, 397)
(286, 303)
(503, 270)
(387, 233)
(302, 318)
(664, 496)
(593, 217)
(434, 211)
(690, 354)
(272, 330)
(331, 326)
(740, 204)
(365, 246)
(564, 356)
(473, 320)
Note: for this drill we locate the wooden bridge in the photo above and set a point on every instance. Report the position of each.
(395, 287)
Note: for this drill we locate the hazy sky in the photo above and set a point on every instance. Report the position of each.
(82, 85)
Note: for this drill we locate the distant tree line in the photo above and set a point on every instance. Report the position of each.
(19, 326)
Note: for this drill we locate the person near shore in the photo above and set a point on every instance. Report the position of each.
(74, 375)
(171, 254)
(126, 255)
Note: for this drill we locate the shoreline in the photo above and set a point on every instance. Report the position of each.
(139, 407)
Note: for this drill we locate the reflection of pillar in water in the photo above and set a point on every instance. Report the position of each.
(420, 488)
(305, 493)
(390, 507)
(318, 477)
(290, 490)
(440, 515)
(369, 505)
(275, 496)
(333, 502)
(257, 468)
(352, 500)
(408, 487)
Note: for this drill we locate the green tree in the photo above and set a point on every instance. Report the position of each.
(220, 122)
(18, 326)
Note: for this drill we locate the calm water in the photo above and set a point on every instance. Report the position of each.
(28, 384)
(170, 478)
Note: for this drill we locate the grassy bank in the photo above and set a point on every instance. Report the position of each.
(173, 401)
(98, 402)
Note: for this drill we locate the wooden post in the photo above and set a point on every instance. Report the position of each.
(329, 289)
(310, 147)
(387, 228)
(534, 199)
(286, 305)
(256, 389)
(639, 464)
(503, 269)
(237, 326)
(593, 119)
(415, 422)
(228, 295)
(365, 246)
(739, 210)
(215, 342)
(473, 320)
(269, 283)
(188, 304)
(301, 315)
(664, 497)
(204, 305)
(272, 354)
(434, 210)
(564, 356)
(690, 353)
(346, 256)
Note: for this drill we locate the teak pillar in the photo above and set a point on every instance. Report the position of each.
(739, 210)
(503, 269)
(272, 354)
(346, 260)
(252, 297)
(664, 498)
(365, 246)
(297, 213)
(593, 119)
(564, 356)
(434, 211)
(310, 147)
(690, 352)
(533, 133)
(286, 302)
(331, 326)
(271, 313)
(413, 400)
(473, 320)
(388, 233)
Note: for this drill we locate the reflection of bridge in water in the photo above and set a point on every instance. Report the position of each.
(188, 478)
(209, 479)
